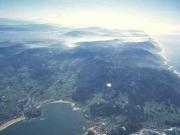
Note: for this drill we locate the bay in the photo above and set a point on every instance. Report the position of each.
(56, 119)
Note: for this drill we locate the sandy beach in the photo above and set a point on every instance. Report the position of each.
(73, 105)
(11, 122)
(63, 101)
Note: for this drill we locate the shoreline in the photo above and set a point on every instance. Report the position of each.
(166, 60)
(11, 122)
(21, 118)
(73, 105)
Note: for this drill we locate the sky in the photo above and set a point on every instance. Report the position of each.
(149, 15)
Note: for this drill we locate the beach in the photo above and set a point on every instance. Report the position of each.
(11, 122)
(73, 105)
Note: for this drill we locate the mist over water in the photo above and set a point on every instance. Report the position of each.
(170, 43)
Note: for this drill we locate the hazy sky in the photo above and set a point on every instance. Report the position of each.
(150, 15)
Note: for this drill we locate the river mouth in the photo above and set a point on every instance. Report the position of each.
(56, 119)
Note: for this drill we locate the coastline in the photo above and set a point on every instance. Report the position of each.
(21, 118)
(11, 122)
(166, 61)
(73, 105)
